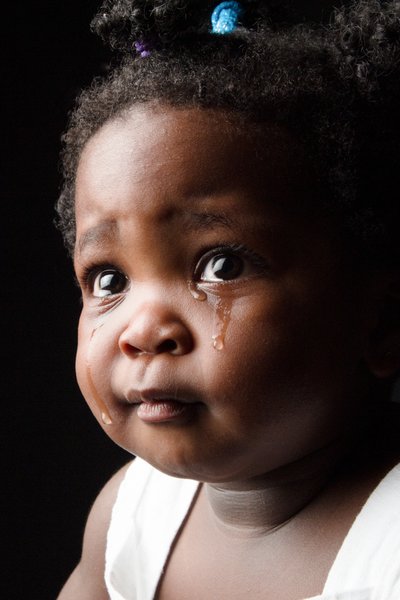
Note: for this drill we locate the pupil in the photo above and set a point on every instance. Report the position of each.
(226, 267)
(111, 281)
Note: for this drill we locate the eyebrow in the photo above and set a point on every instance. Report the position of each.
(106, 231)
(206, 220)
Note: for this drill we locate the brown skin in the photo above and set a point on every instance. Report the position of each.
(265, 419)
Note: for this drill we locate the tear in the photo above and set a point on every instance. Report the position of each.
(101, 405)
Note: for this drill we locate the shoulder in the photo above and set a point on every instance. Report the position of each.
(99, 518)
(87, 580)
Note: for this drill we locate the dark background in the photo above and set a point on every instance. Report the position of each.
(56, 457)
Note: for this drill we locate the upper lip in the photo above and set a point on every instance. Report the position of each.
(148, 395)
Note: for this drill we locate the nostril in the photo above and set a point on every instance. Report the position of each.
(167, 346)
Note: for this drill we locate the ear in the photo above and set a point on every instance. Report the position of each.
(383, 351)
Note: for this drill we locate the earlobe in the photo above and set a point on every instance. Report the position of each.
(383, 351)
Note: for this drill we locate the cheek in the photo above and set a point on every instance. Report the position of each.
(261, 329)
(91, 358)
(81, 370)
(272, 346)
(92, 371)
(82, 362)
(81, 354)
(247, 347)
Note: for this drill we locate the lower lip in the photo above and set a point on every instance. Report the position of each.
(162, 411)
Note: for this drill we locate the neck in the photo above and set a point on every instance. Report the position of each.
(266, 503)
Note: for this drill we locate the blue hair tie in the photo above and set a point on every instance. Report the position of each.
(225, 17)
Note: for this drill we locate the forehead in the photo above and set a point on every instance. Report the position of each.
(154, 159)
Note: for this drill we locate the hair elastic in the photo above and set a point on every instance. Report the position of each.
(142, 48)
(225, 17)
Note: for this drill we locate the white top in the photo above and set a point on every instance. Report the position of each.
(151, 508)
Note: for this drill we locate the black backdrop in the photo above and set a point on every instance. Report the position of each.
(56, 457)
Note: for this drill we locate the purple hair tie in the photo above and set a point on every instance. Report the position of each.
(142, 48)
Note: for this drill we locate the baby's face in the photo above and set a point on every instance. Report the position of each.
(220, 337)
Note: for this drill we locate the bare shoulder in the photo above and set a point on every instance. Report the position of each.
(87, 580)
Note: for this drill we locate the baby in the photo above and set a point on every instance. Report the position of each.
(230, 203)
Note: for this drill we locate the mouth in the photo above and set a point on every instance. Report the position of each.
(157, 406)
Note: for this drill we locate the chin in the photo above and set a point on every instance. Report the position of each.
(202, 469)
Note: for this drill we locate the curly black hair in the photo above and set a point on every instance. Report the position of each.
(332, 77)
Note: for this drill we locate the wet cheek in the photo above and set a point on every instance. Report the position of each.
(81, 368)
(80, 356)
(90, 362)
(260, 353)
(82, 379)
(237, 356)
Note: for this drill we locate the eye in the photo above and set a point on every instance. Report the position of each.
(108, 282)
(229, 262)
(222, 267)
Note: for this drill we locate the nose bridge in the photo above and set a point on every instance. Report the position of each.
(154, 322)
(154, 297)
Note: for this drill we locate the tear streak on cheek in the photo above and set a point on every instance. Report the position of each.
(101, 405)
(221, 321)
(222, 313)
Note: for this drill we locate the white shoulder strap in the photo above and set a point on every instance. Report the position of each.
(369, 558)
(147, 515)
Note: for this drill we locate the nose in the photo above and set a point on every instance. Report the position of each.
(155, 329)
